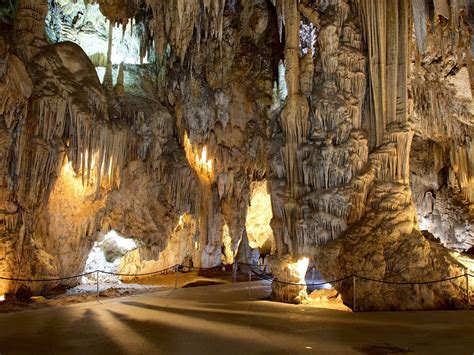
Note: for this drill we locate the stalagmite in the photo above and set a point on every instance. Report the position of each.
(108, 81)
(119, 86)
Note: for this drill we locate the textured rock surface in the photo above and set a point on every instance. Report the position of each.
(387, 245)
(441, 90)
(212, 131)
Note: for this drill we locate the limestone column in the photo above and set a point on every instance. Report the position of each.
(286, 264)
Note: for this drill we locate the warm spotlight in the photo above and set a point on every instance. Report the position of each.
(302, 265)
(199, 162)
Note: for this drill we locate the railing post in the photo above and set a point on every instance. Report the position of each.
(353, 293)
(312, 275)
(97, 282)
(250, 278)
(468, 301)
(176, 276)
(234, 272)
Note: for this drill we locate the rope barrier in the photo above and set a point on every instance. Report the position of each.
(179, 267)
(261, 276)
(410, 283)
(86, 274)
(47, 280)
(143, 274)
(298, 284)
(200, 268)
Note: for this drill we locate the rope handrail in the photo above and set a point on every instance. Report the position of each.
(48, 280)
(86, 274)
(142, 274)
(263, 277)
(412, 283)
(200, 268)
(374, 280)
(298, 284)
(360, 277)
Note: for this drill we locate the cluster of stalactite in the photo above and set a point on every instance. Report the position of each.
(204, 50)
(221, 109)
(59, 119)
(178, 24)
(349, 130)
(325, 149)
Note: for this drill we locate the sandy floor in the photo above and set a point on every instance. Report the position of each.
(147, 284)
(129, 286)
(223, 319)
(79, 294)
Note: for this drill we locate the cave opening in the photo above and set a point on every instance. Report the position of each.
(108, 254)
(259, 241)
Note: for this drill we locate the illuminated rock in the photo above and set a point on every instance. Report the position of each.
(290, 284)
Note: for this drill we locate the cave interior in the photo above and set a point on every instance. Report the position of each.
(326, 135)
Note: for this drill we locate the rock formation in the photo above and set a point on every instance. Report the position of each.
(312, 132)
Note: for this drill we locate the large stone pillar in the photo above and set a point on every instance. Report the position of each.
(295, 125)
(289, 285)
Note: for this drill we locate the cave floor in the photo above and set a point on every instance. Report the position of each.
(222, 319)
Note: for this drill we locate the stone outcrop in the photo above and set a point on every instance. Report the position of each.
(387, 245)
(441, 90)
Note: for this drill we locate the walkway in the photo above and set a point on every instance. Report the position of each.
(221, 320)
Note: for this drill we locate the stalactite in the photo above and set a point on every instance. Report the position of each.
(15, 89)
(311, 14)
(385, 29)
(462, 160)
(61, 119)
(176, 22)
(295, 113)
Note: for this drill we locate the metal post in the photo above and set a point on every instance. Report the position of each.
(97, 282)
(353, 293)
(468, 301)
(234, 272)
(176, 277)
(250, 278)
(312, 275)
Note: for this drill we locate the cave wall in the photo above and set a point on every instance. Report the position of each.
(126, 149)
(70, 140)
(441, 95)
